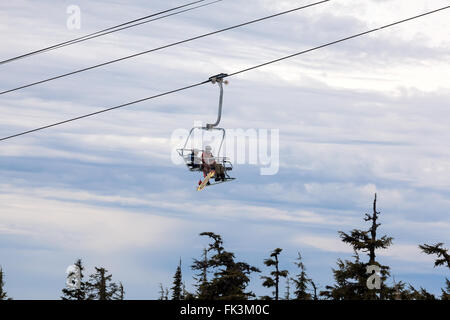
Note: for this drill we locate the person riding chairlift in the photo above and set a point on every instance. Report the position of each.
(195, 161)
(209, 163)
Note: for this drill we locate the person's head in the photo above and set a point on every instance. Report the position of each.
(208, 149)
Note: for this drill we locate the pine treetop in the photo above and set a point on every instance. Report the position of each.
(230, 278)
(177, 289)
(76, 293)
(301, 281)
(274, 281)
(100, 285)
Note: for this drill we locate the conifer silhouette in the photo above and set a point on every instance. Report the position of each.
(177, 289)
(274, 281)
(301, 281)
(202, 278)
(100, 285)
(443, 258)
(230, 278)
(77, 292)
(351, 276)
(3, 294)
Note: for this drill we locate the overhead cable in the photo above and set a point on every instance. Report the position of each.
(228, 75)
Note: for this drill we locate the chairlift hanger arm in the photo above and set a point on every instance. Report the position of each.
(219, 79)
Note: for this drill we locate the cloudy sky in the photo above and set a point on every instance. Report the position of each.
(368, 115)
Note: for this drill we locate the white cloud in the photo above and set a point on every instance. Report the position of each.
(77, 226)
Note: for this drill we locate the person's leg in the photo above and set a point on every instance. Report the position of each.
(206, 170)
(220, 172)
(216, 172)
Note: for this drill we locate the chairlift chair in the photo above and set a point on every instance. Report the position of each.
(190, 155)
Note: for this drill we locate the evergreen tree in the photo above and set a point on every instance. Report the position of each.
(313, 284)
(421, 294)
(351, 276)
(177, 289)
(186, 294)
(397, 289)
(120, 295)
(100, 285)
(230, 278)
(202, 278)
(443, 258)
(350, 280)
(446, 292)
(301, 281)
(442, 254)
(78, 292)
(3, 294)
(287, 295)
(270, 282)
(166, 294)
(163, 293)
(404, 292)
